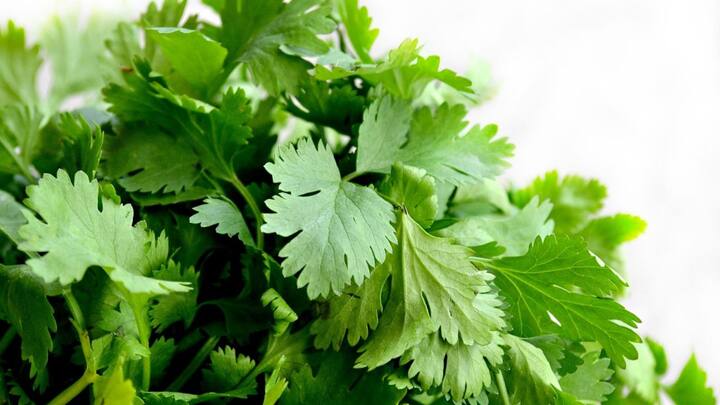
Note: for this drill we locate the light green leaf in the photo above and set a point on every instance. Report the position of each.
(226, 215)
(77, 56)
(513, 232)
(604, 236)
(486, 197)
(75, 234)
(434, 287)
(462, 371)
(590, 381)
(691, 386)
(558, 287)
(413, 190)
(532, 379)
(113, 389)
(382, 133)
(196, 58)
(639, 374)
(403, 73)
(438, 144)
(268, 36)
(19, 138)
(574, 199)
(23, 304)
(282, 313)
(19, 68)
(11, 216)
(358, 27)
(343, 228)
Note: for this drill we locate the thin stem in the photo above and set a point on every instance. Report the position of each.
(143, 326)
(194, 364)
(352, 175)
(7, 339)
(24, 170)
(90, 374)
(501, 387)
(250, 200)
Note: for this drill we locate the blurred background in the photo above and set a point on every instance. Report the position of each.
(627, 91)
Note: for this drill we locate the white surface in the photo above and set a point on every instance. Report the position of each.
(624, 90)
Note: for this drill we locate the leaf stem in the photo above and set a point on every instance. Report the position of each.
(7, 339)
(352, 175)
(250, 200)
(90, 375)
(501, 387)
(194, 364)
(24, 170)
(143, 326)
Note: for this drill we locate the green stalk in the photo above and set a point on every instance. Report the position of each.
(143, 326)
(501, 387)
(90, 374)
(24, 169)
(194, 364)
(7, 339)
(254, 207)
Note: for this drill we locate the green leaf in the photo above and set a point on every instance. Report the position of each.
(20, 138)
(217, 135)
(486, 197)
(358, 27)
(434, 287)
(334, 105)
(532, 379)
(177, 306)
(150, 161)
(19, 68)
(227, 370)
(113, 389)
(228, 218)
(558, 287)
(336, 382)
(194, 57)
(639, 374)
(274, 387)
(161, 353)
(574, 199)
(11, 216)
(462, 371)
(83, 143)
(269, 36)
(75, 234)
(691, 386)
(604, 235)
(513, 232)
(77, 56)
(413, 190)
(438, 144)
(381, 134)
(343, 228)
(282, 313)
(354, 312)
(590, 381)
(403, 73)
(23, 304)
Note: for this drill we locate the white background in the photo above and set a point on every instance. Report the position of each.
(624, 90)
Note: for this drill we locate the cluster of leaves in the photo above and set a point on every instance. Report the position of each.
(259, 209)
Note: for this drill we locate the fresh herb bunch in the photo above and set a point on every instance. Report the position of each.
(262, 210)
